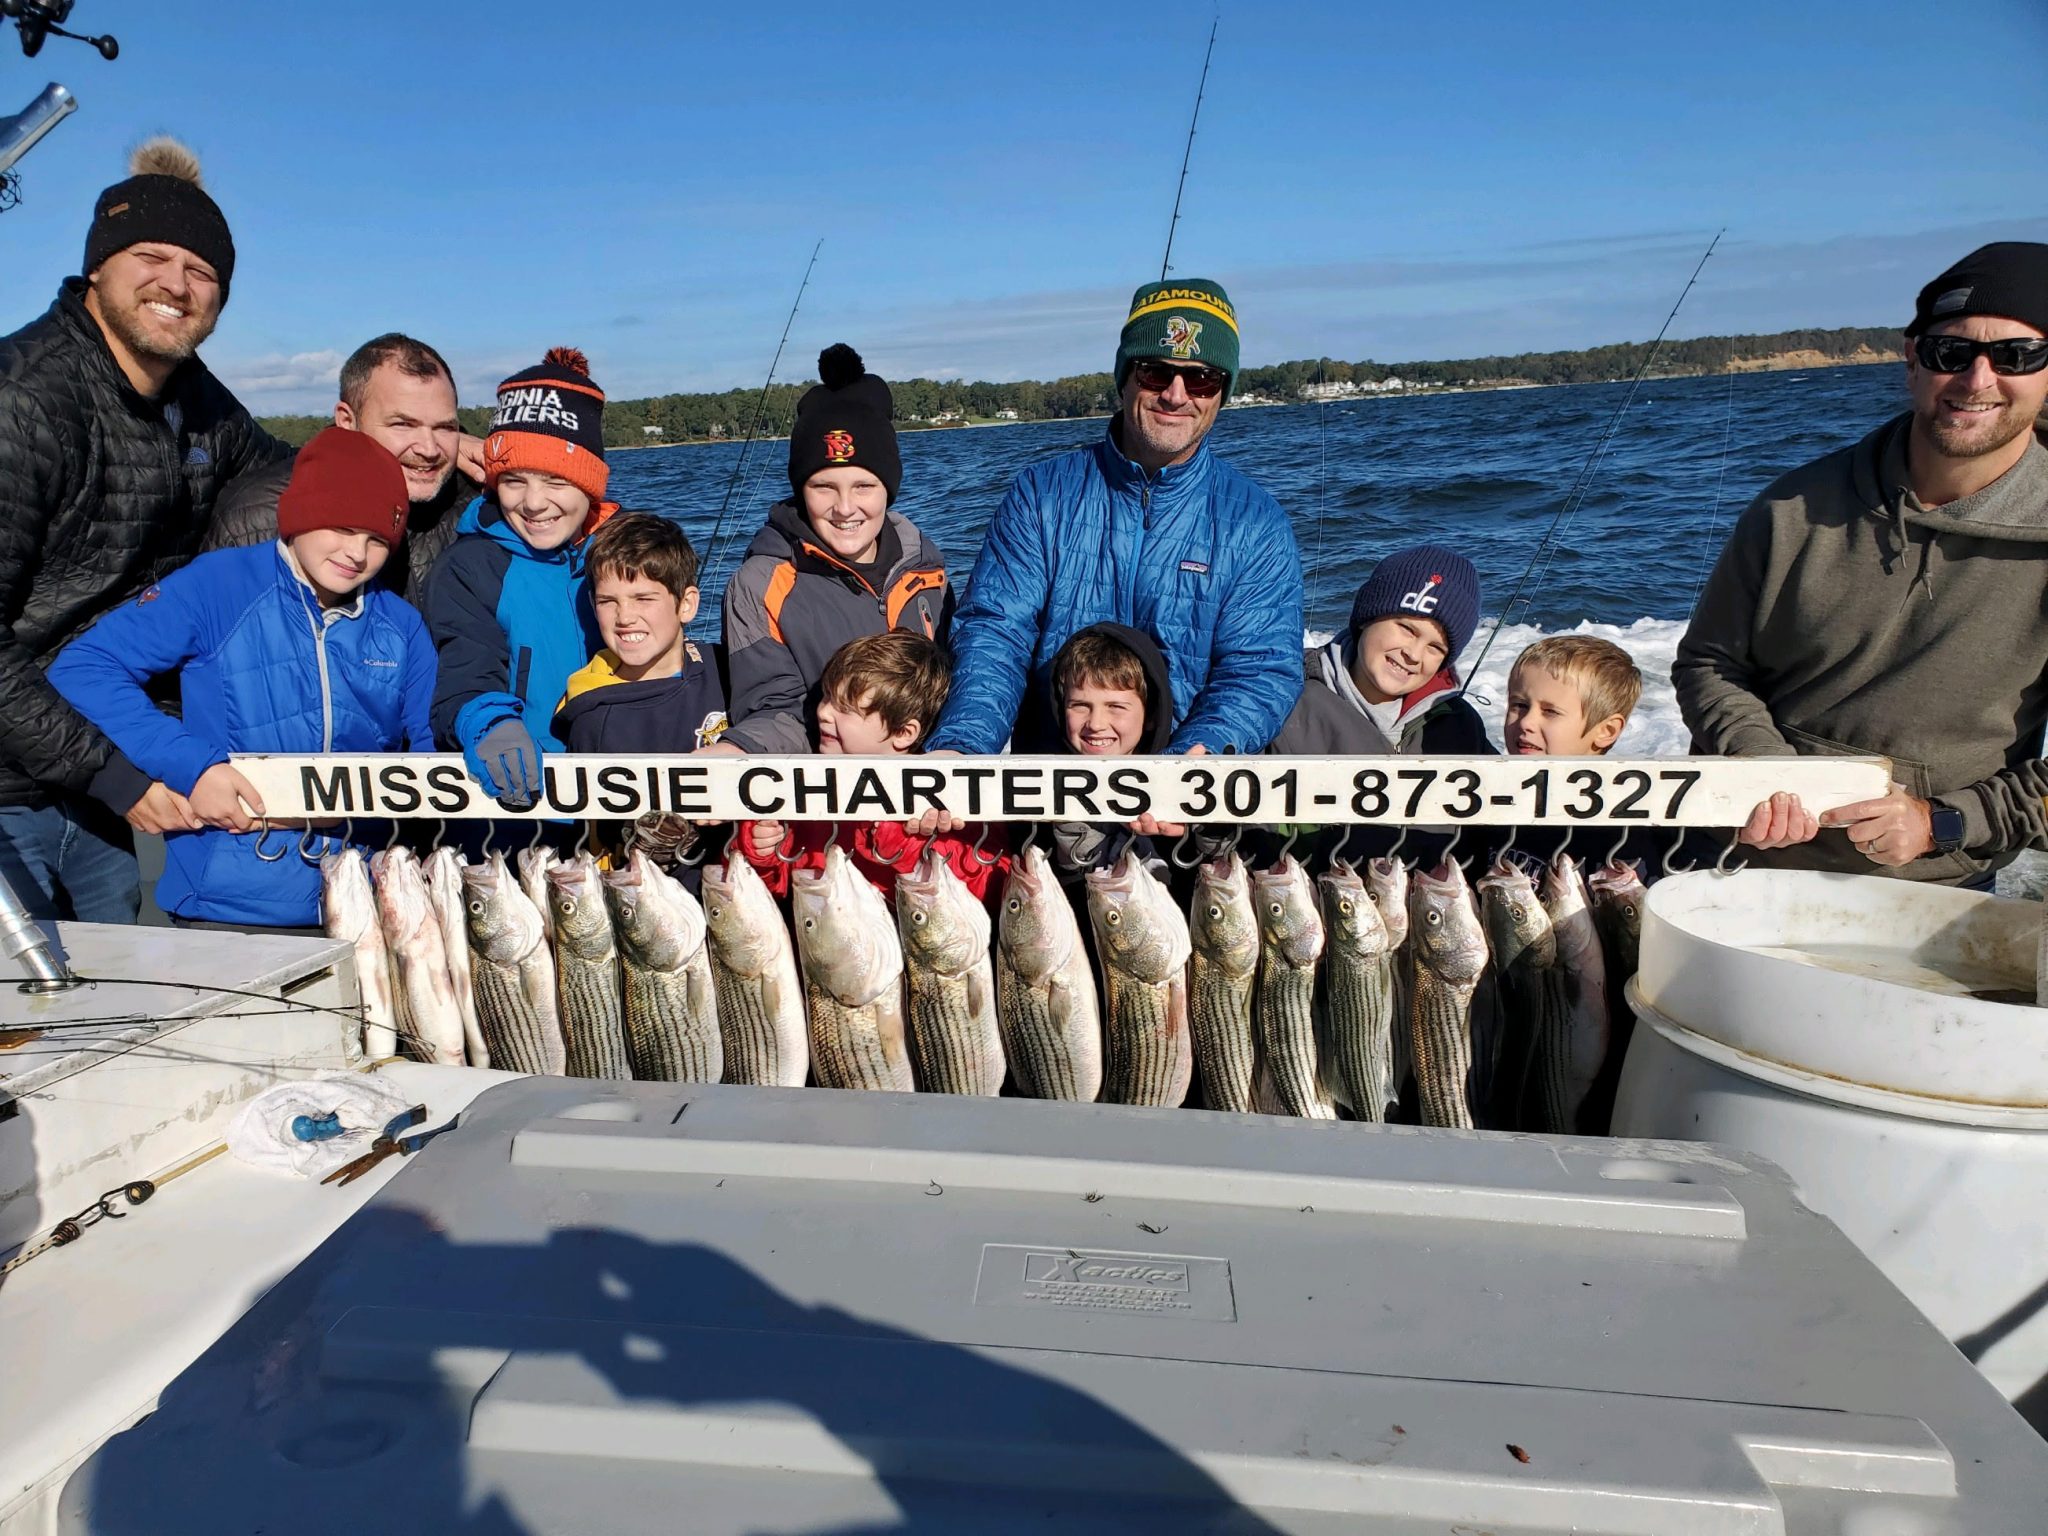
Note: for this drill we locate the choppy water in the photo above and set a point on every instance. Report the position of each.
(1484, 471)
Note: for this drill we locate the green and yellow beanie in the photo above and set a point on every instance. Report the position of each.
(1185, 321)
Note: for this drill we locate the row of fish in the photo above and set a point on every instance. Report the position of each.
(1272, 992)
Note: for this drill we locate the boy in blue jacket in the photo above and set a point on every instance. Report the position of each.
(282, 647)
(507, 604)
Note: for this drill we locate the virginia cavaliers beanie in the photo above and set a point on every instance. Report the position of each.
(845, 419)
(1426, 581)
(550, 421)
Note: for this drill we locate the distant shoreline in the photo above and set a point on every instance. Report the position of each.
(1778, 362)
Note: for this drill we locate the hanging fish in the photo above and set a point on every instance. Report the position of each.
(672, 1031)
(754, 979)
(1291, 945)
(1577, 1060)
(1450, 958)
(955, 1046)
(349, 913)
(442, 872)
(1143, 941)
(1223, 935)
(513, 972)
(1047, 1007)
(412, 935)
(586, 971)
(853, 977)
(1357, 1030)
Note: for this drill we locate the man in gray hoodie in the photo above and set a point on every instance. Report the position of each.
(1892, 599)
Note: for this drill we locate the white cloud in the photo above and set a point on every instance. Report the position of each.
(302, 381)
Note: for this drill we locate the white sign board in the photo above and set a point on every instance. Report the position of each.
(1375, 791)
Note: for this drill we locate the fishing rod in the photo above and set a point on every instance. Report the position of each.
(1166, 262)
(760, 406)
(1575, 495)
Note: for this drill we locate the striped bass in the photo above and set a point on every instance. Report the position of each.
(1047, 1007)
(1579, 1055)
(1450, 958)
(754, 978)
(853, 977)
(1386, 881)
(1143, 941)
(349, 913)
(1290, 946)
(534, 864)
(412, 935)
(955, 1046)
(513, 972)
(672, 1032)
(1533, 993)
(1357, 1034)
(442, 871)
(586, 971)
(1223, 935)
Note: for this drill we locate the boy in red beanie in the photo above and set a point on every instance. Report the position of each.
(508, 605)
(285, 647)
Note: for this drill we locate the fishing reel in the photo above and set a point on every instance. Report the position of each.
(39, 20)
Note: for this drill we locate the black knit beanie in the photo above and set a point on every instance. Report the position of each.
(2007, 278)
(846, 419)
(161, 200)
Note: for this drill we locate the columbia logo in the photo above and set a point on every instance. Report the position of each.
(374, 661)
(1194, 567)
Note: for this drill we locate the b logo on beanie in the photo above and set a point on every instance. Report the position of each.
(838, 447)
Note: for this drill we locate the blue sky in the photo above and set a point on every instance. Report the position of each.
(1370, 180)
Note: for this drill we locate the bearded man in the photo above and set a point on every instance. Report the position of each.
(1892, 599)
(114, 442)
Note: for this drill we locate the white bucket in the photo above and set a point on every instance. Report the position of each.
(1868, 1036)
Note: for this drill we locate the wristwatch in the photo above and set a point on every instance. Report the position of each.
(1946, 823)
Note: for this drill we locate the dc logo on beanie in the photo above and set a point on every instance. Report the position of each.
(838, 447)
(1423, 598)
(1182, 336)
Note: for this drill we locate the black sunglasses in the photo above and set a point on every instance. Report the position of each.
(1957, 354)
(1200, 382)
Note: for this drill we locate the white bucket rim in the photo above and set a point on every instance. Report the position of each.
(1834, 1090)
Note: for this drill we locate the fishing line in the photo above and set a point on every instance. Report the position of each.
(760, 405)
(1706, 541)
(1546, 547)
(1166, 261)
(1322, 472)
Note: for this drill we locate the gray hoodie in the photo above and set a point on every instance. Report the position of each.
(1846, 618)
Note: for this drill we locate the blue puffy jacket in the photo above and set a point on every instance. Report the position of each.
(262, 667)
(1195, 555)
(511, 623)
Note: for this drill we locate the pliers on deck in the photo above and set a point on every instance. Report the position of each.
(389, 1144)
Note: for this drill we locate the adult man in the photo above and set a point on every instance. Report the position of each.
(400, 393)
(1892, 599)
(1147, 528)
(114, 440)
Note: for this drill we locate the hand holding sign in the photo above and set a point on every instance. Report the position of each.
(1149, 825)
(936, 823)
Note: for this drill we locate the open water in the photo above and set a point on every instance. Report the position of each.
(1485, 472)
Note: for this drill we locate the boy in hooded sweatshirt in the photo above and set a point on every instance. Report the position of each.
(831, 564)
(1111, 698)
(1389, 683)
(507, 604)
(291, 646)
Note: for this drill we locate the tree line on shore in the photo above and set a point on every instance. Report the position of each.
(730, 415)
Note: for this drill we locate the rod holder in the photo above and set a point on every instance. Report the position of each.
(23, 940)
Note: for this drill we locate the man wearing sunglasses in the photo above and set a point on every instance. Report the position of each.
(1892, 599)
(1146, 528)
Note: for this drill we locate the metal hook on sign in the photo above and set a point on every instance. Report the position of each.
(787, 850)
(1507, 850)
(1394, 853)
(263, 831)
(440, 835)
(582, 844)
(1337, 853)
(391, 838)
(1721, 865)
(1293, 837)
(539, 827)
(982, 846)
(1030, 838)
(1621, 841)
(1451, 848)
(483, 848)
(312, 846)
(698, 852)
(1671, 864)
(1187, 841)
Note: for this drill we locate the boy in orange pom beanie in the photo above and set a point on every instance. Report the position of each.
(508, 605)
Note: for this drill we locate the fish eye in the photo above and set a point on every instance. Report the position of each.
(1015, 905)
(810, 923)
(1433, 918)
(477, 907)
(1276, 908)
(1344, 907)
(1215, 914)
(918, 918)
(1112, 917)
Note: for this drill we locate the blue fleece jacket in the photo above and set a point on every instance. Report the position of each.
(262, 667)
(1195, 555)
(511, 622)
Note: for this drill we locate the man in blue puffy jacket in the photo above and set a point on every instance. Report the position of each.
(1147, 528)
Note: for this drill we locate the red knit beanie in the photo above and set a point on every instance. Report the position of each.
(550, 420)
(345, 479)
